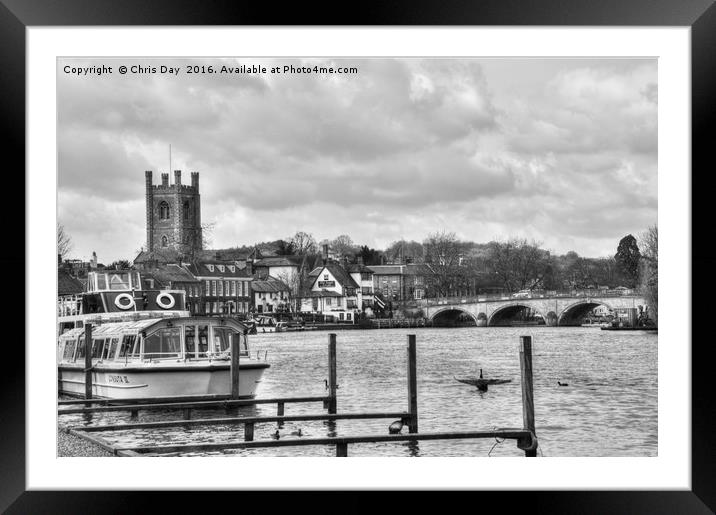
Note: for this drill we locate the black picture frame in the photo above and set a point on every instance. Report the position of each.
(700, 15)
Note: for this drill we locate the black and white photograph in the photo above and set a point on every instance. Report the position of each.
(357, 257)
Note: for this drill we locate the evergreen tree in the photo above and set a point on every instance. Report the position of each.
(627, 260)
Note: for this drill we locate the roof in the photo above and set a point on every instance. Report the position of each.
(337, 271)
(68, 285)
(279, 261)
(387, 269)
(113, 327)
(201, 269)
(269, 285)
(174, 274)
(161, 256)
(359, 268)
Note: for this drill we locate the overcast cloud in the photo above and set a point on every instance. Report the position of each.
(560, 151)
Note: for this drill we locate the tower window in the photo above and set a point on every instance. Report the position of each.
(165, 241)
(163, 210)
(186, 210)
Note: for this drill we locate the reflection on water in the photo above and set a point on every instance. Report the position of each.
(609, 407)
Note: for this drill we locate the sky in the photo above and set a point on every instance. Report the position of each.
(559, 151)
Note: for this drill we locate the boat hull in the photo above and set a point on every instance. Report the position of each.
(160, 380)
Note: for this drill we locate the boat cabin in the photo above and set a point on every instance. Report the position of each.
(150, 340)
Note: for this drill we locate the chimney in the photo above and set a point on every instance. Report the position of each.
(177, 177)
(249, 266)
(165, 180)
(325, 251)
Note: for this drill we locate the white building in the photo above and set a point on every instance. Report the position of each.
(332, 292)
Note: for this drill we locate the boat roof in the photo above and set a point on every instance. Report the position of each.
(135, 326)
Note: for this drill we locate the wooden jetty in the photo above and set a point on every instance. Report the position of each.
(525, 437)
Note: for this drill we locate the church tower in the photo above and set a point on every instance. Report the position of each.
(173, 214)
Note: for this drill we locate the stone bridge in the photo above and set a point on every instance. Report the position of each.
(562, 310)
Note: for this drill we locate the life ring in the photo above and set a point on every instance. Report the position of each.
(169, 304)
(118, 301)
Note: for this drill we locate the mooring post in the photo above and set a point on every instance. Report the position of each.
(528, 404)
(332, 373)
(248, 431)
(279, 409)
(88, 361)
(235, 367)
(412, 386)
(341, 450)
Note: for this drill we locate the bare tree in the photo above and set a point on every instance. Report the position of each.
(518, 264)
(64, 241)
(649, 272)
(343, 246)
(444, 252)
(304, 243)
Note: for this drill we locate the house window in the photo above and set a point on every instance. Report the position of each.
(213, 288)
(163, 210)
(208, 287)
(221, 288)
(233, 288)
(232, 268)
(315, 303)
(221, 268)
(340, 316)
(348, 316)
(241, 293)
(186, 210)
(210, 267)
(227, 288)
(328, 301)
(165, 241)
(325, 277)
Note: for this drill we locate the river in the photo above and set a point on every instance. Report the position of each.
(609, 407)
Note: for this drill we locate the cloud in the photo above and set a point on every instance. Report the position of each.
(402, 148)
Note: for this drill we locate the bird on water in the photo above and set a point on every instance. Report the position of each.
(562, 384)
(276, 435)
(396, 427)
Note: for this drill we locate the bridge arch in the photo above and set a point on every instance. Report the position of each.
(575, 312)
(451, 315)
(507, 312)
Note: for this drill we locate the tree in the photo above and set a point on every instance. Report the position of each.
(285, 248)
(405, 251)
(519, 265)
(444, 253)
(64, 242)
(120, 264)
(304, 243)
(370, 256)
(627, 260)
(650, 269)
(343, 246)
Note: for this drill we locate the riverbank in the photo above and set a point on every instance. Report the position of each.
(69, 445)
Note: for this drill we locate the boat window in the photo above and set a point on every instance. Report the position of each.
(190, 341)
(203, 340)
(222, 339)
(164, 343)
(97, 346)
(119, 281)
(80, 348)
(125, 349)
(69, 352)
(111, 349)
(101, 282)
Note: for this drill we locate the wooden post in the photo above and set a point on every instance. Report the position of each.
(235, 349)
(528, 405)
(332, 373)
(279, 409)
(341, 450)
(187, 413)
(249, 432)
(88, 361)
(412, 386)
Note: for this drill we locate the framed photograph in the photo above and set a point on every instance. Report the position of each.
(486, 183)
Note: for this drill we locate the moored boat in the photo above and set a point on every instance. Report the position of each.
(145, 344)
(159, 357)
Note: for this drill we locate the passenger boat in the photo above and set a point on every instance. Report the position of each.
(138, 351)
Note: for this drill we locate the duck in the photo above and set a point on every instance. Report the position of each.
(562, 384)
(396, 427)
(276, 435)
(297, 433)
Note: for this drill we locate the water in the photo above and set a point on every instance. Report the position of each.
(608, 409)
